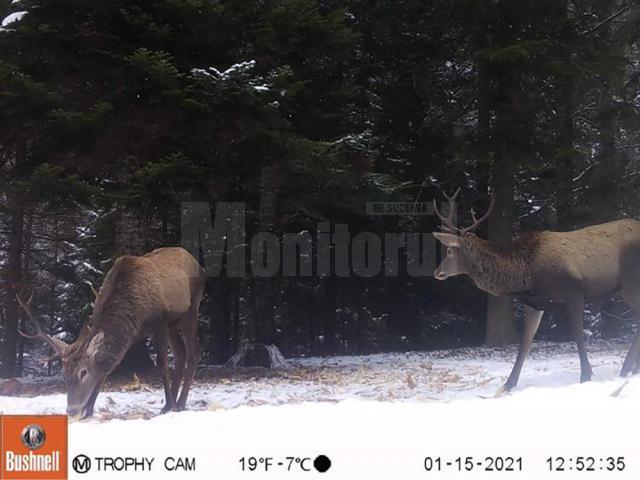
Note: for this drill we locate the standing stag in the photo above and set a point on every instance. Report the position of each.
(155, 294)
(545, 270)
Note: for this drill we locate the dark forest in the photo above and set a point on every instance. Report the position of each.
(114, 113)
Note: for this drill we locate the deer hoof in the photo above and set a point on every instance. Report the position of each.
(502, 391)
(585, 377)
(86, 415)
(626, 370)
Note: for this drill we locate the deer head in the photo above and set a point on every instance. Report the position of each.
(457, 240)
(83, 367)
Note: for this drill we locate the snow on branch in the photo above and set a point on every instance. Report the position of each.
(13, 17)
(240, 72)
(598, 26)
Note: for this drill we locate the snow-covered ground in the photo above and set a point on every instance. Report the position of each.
(376, 416)
(414, 377)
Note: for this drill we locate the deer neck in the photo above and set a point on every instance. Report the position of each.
(119, 330)
(499, 272)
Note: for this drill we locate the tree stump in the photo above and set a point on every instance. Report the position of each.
(257, 355)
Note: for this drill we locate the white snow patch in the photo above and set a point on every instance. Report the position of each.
(90, 267)
(13, 17)
(233, 70)
(375, 416)
(381, 440)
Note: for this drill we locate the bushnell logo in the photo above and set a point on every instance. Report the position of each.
(33, 436)
(33, 447)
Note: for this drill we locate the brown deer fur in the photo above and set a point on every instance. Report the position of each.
(155, 294)
(549, 270)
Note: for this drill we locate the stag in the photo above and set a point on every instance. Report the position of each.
(156, 294)
(549, 270)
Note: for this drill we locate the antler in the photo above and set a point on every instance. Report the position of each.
(448, 220)
(27, 309)
(58, 346)
(478, 221)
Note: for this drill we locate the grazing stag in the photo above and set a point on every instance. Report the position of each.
(545, 270)
(155, 294)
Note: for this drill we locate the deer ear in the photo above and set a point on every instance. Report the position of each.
(447, 239)
(95, 344)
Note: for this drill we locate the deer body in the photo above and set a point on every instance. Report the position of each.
(551, 270)
(597, 260)
(140, 293)
(156, 294)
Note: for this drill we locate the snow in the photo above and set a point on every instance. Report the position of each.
(91, 268)
(375, 416)
(238, 71)
(233, 70)
(13, 17)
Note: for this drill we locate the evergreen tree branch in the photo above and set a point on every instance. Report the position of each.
(605, 21)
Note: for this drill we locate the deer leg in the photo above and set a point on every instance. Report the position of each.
(632, 360)
(575, 313)
(179, 353)
(531, 323)
(87, 411)
(189, 326)
(162, 343)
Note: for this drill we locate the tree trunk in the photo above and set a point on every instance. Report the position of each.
(565, 171)
(53, 288)
(314, 329)
(500, 320)
(603, 201)
(219, 309)
(27, 235)
(128, 236)
(265, 288)
(606, 200)
(13, 287)
(493, 311)
(360, 340)
(330, 321)
(235, 309)
(500, 329)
